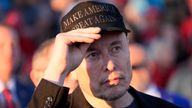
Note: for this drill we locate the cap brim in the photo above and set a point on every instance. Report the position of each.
(109, 29)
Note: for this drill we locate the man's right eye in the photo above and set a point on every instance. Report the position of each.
(93, 55)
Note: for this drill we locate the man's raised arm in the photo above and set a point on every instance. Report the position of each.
(68, 52)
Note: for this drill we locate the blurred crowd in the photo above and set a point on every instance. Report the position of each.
(162, 27)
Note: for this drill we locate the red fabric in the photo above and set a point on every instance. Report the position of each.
(186, 33)
(161, 77)
(8, 99)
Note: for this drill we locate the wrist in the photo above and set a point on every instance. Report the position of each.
(55, 75)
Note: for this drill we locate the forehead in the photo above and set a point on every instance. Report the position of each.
(110, 37)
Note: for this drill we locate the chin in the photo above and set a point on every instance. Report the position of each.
(112, 93)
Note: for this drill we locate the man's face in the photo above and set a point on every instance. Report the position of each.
(105, 71)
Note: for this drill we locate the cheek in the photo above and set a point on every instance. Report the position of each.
(94, 70)
(88, 76)
(123, 62)
(89, 72)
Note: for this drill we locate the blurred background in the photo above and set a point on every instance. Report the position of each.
(162, 27)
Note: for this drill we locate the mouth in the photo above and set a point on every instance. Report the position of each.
(113, 81)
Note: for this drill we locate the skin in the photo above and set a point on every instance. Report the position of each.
(40, 61)
(38, 68)
(101, 63)
(6, 55)
(141, 76)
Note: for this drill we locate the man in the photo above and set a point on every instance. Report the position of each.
(15, 92)
(142, 81)
(94, 46)
(40, 61)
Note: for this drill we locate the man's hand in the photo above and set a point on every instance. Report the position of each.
(68, 52)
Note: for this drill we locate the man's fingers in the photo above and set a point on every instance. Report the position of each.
(70, 38)
(77, 39)
(86, 35)
(87, 30)
(93, 36)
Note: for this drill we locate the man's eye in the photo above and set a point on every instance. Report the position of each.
(115, 49)
(93, 55)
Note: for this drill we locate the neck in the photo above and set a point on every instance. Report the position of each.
(122, 102)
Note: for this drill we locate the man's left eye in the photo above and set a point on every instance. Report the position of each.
(116, 49)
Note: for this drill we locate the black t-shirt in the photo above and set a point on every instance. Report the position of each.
(133, 105)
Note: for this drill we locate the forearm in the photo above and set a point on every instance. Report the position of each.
(66, 56)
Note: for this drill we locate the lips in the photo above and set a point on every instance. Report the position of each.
(113, 82)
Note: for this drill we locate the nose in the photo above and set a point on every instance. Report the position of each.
(110, 66)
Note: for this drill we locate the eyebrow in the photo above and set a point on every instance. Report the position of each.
(116, 42)
(113, 43)
(91, 49)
